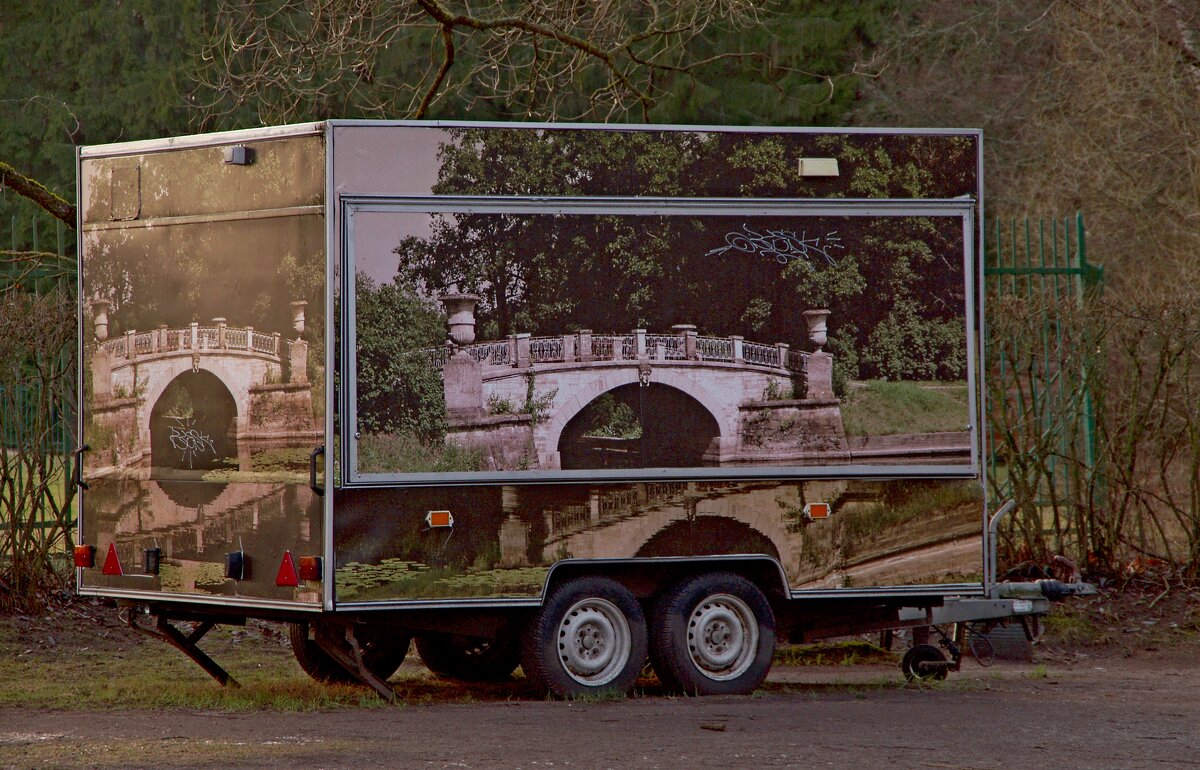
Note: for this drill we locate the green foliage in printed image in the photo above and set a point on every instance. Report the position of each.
(610, 418)
(894, 285)
(399, 390)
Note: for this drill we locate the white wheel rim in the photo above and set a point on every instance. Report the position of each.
(722, 637)
(594, 641)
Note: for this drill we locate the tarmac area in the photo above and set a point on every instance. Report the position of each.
(1095, 711)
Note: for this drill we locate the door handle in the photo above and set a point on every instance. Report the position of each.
(77, 476)
(312, 470)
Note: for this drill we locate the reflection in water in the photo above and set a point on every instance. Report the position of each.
(504, 538)
(195, 524)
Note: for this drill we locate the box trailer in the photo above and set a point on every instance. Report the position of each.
(568, 397)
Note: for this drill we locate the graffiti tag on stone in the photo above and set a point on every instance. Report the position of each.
(189, 441)
(781, 245)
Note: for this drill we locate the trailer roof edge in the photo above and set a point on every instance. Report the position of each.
(297, 129)
(201, 140)
(885, 130)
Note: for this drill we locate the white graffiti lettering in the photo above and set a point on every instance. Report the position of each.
(781, 245)
(190, 442)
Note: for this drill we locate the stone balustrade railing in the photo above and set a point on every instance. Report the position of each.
(198, 338)
(524, 350)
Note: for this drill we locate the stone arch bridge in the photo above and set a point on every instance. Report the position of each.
(254, 387)
(702, 400)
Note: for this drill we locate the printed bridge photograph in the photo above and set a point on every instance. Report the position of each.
(511, 341)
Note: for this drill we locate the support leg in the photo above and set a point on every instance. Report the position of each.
(352, 661)
(186, 644)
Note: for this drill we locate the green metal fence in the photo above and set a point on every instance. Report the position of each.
(39, 260)
(1042, 431)
(40, 250)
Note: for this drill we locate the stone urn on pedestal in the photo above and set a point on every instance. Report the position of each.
(101, 358)
(462, 376)
(819, 374)
(100, 318)
(460, 317)
(298, 307)
(298, 350)
(818, 327)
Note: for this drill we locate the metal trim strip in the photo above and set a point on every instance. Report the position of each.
(190, 219)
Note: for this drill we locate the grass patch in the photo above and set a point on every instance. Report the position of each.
(848, 653)
(100, 664)
(881, 408)
(405, 453)
(1067, 626)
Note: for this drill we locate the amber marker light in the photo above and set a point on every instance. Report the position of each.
(309, 567)
(85, 556)
(817, 510)
(439, 519)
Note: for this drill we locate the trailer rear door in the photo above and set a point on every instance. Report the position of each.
(203, 323)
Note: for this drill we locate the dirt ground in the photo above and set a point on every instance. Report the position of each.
(1114, 684)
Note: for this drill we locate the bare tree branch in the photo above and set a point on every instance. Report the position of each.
(447, 63)
(292, 59)
(37, 192)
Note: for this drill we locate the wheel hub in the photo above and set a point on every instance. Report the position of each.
(594, 641)
(722, 637)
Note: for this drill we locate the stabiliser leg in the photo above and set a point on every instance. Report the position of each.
(186, 644)
(352, 660)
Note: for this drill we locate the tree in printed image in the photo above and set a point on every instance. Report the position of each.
(895, 285)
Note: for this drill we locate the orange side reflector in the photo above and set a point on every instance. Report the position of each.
(287, 572)
(112, 564)
(439, 519)
(310, 568)
(85, 556)
(817, 510)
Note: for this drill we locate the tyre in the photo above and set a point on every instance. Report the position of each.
(910, 664)
(470, 659)
(588, 638)
(713, 635)
(383, 651)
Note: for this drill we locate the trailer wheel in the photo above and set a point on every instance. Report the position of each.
(469, 659)
(589, 637)
(713, 635)
(383, 652)
(910, 664)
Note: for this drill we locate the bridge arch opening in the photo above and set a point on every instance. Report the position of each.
(635, 426)
(707, 536)
(193, 424)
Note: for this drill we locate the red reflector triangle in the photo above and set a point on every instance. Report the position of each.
(112, 565)
(287, 572)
